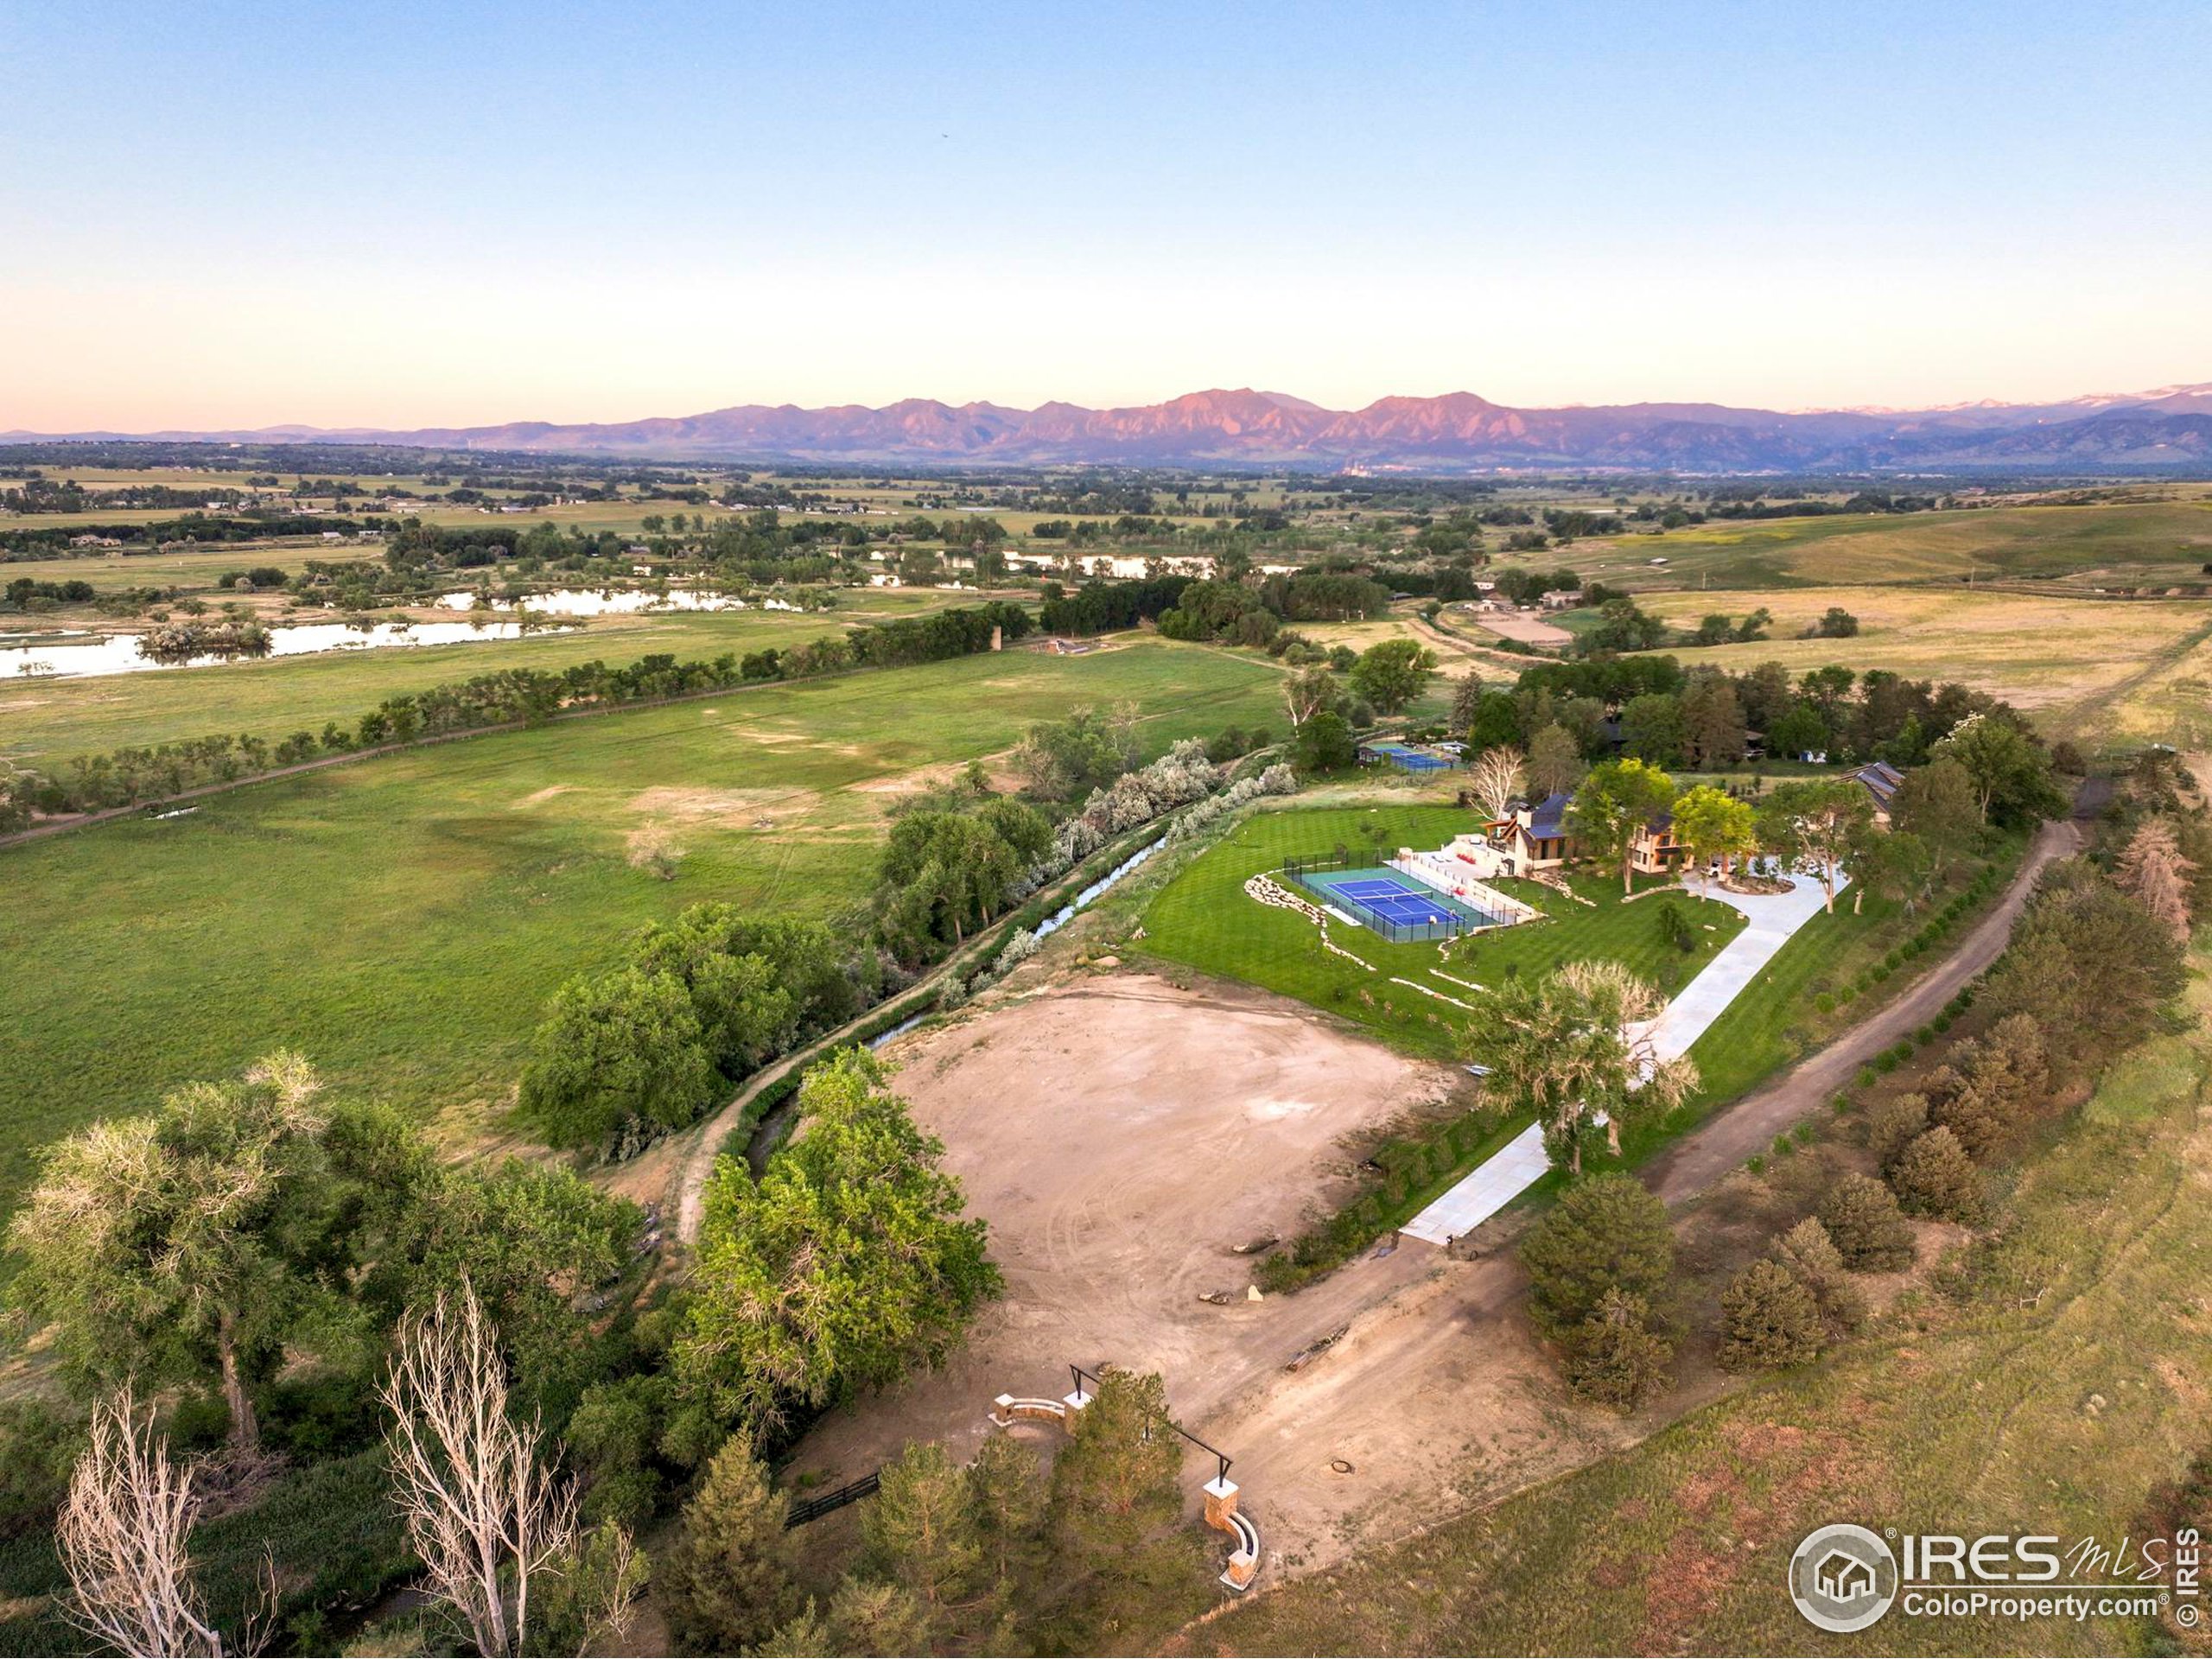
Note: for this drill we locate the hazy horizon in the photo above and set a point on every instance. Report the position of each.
(415, 215)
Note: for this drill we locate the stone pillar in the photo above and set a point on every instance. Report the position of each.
(1075, 1403)
(1221, 1503)
(998, 636)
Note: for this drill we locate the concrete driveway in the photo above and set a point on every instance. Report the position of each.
(1773, 917)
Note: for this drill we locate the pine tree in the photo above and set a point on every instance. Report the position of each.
(1935, 1177)
(1608, 1233)
(1892, 1123)
(1863, 1221)
(726, 1580)
(1768, 1321)
(1118, 1507)
(920, 1534)
(1006, 1498)
(2154, 872)
(1614, 1358)
(1813, 1261)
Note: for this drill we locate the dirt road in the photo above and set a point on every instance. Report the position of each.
(1750, 1124)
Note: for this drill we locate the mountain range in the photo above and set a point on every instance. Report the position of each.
(2169, 429)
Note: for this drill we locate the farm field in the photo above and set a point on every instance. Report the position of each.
(2063, 660)
(2157, 541)
(1202, 919)
(403, 920)
(274, 696)
(2017, 1382)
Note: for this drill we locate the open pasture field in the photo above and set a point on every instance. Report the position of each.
(41, 719)
(196, 569)
(2125, 543)
(403, 920)
(2028, 1382)
(1203, 919)
(2062, 659)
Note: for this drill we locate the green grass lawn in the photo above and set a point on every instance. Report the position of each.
(1203, 918)
(2042, 1383)
(41, 720)
(403, 920)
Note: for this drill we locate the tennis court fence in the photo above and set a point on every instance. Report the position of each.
(1311, 873)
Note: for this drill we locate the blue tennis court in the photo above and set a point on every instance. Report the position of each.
(1394, 901)
(1406, 757)
(1381, 901)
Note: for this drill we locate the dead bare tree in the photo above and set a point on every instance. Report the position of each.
(484, 1511)
(123, 1534)
(1498, 777)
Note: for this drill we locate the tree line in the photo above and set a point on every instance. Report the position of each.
(126, 776)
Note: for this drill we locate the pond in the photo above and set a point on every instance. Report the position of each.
(582, 601)
(117, 653)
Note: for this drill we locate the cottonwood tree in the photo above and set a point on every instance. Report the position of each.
(1466, 701)
(2011, 773)
(1555, 761)
(1824, 820)
(187, 1243)
(1392, 674)
(1309, 692)
(2152, 871)
(485, 1511)
(1498, 779)
(1895, 864)
(1714, 826)
(123, 1535)
(1566, 1048)
(847, 1263)
(1612, 807)
(1937, 803)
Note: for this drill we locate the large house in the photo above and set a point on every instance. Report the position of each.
(1538, 838)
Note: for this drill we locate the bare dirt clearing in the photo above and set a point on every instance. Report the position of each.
(1121, 1136)
(1529, 630)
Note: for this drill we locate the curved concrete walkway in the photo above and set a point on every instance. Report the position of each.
(1774, 918)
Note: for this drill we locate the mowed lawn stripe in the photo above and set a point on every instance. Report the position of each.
(1204, 918)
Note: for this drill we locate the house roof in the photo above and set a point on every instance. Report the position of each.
(1881, 780)
(1547, 819)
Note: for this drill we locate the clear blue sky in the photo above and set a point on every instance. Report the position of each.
(415, 214)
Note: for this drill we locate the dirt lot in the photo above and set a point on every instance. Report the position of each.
(1121, 1135)
(1528, 627)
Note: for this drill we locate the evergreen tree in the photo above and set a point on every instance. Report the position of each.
(1813, 1261)
(1767, 1319)
(1608, 1233)
(1117, 1507)
(2152, 871)
(726, 1581)
(1935, 1177)
(1862, 1220)
(1614, 1358)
